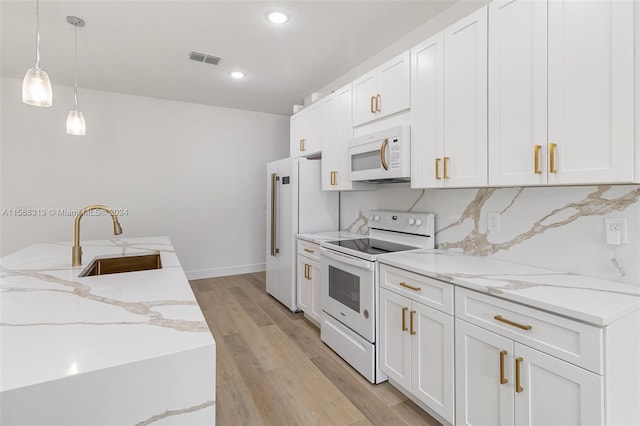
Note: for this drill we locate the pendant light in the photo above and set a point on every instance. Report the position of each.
(36, 87)
(75, 119)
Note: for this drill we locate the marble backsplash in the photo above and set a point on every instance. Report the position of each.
(560, 228)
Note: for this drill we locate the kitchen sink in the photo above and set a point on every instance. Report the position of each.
(121, 264)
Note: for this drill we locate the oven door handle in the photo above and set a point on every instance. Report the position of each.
(347, 259)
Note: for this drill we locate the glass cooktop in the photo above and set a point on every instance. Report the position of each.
(371, 246)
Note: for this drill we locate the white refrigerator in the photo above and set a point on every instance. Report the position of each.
(296, 204)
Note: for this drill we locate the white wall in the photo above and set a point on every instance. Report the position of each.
(192, 172)
(560, 228)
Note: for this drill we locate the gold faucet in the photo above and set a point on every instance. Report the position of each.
(76, 251)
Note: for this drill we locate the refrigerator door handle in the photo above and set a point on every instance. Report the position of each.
(274, 212)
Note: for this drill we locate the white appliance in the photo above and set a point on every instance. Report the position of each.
(296, 204)
(350, 285)
(382, 156)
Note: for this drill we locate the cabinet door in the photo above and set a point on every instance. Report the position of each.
(365, 90)
(432, 359)
(427, 110)
(295, 132)
(517, 92)
(314, 277)
(312, 130)
(591, 91)
(554, 392)
(345, 135)
(330, 142)
(304, 285)
(394, 85)
(481, 398)
(395, 340)
(465, 101)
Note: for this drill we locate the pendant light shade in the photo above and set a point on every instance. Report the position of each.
(36, 87)
(75, 120)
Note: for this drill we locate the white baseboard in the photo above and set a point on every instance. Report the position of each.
(200, 274)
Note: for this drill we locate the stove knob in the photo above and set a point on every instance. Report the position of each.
(412, 221)
(418, 222)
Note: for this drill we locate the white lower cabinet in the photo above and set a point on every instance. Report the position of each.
(308, 283)
(416, 352)
(502, 382)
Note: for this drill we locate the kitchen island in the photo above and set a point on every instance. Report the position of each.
(127, 348)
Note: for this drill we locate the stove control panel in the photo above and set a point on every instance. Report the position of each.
(415, 223)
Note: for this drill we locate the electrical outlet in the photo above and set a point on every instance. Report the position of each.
(493, 222)
(616, 231)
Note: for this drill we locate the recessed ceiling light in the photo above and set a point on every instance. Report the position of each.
(236, 74)
(277, 17)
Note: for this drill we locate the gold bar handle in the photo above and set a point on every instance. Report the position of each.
(383, 157)
(503, 379)
(373, 110)
(308, 272)
(519, 387)
(536, 159)
(334, 178)
(305, 271)
(446, 159)
(515, 324)
(405, 285)
(302, 144)
(378, 103)
(404, 323)
(438, 169)
(552, 158)
(274, 212)
(308, 250)
(412, 331)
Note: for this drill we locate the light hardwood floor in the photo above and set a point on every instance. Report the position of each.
(273, 369)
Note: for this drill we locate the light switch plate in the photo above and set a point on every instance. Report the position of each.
(616, 230)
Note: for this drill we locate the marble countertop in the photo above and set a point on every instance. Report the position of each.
(54, 324)
(329, 236)
(588, 299)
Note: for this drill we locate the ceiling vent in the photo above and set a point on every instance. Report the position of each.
(203, 57)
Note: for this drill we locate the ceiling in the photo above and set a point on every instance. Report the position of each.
(141, 47)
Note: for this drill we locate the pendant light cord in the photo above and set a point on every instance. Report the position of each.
(37, 34)
(75, 66)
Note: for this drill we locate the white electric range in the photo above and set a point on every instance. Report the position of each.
(350, 284)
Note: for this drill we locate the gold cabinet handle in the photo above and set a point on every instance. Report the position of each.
(552, 158)
(412, 331)
(519, 387)
(383, 157)
(308, 250)
(302, 144)
(515, 324)
(503, 379)
(373, 110)
(438, 169)
(308, 272)
(536, 159)
(334, 178)
(446, 159)
(404, 323)
(378, 103)
(405, 285)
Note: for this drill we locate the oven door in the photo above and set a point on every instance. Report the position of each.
(348, 291)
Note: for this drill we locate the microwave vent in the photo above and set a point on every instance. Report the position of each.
(204, 58)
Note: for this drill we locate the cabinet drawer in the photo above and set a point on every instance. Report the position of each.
(430, 292)
(572, 341)
(308, 249)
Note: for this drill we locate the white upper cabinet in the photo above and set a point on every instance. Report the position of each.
(306, 131)
(449, 106)
(591, 84)
(517, 92)
(383, 91)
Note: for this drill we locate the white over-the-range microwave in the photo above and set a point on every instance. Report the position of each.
(382, 156)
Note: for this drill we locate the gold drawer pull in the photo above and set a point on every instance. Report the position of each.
(503, 379)
(438, 169)
(404, 323)
(405, 285)
(308, 251)
(445, 161)
(373, 110)
(515, 324)
(378, 103)
(334, 178)
(552, 158)
(411, 314)
(302, 144)
(519, 387)
(536, 159)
